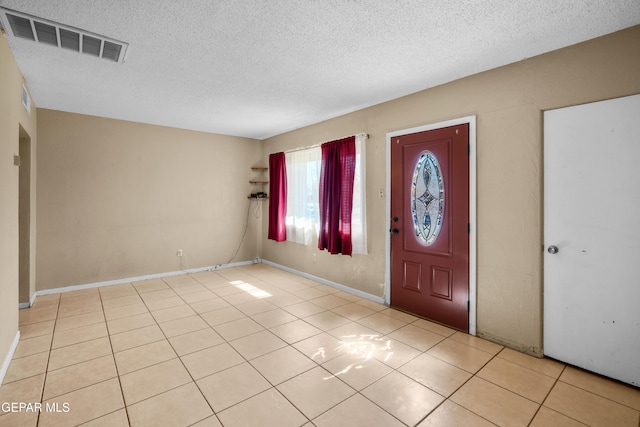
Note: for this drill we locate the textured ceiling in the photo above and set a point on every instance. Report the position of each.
(258, 68)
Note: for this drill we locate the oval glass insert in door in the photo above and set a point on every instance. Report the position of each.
(427, 198)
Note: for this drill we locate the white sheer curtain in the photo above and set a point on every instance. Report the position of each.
(303, 174)
(358, 214)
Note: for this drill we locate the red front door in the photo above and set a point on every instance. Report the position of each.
(430, 224)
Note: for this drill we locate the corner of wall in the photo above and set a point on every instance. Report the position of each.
(15, 123)
(513, 344)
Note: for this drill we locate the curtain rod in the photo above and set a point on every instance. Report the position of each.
(366, 136)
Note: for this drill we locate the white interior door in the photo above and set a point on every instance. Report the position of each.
(592, 217)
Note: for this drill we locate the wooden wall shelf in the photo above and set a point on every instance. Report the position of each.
(260, 180)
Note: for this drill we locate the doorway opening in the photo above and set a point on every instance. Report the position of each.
(24, 220)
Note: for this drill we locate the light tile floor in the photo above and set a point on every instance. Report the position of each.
(256, 346)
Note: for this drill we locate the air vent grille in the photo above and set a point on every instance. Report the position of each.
(111, 50)
(21, 27)
(51, 33)
(69, 40)
(46, 33)
(91, 45)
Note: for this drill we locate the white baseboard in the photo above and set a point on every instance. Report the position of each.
(137, 279)
(335, 285)
(340, 286)
(7, 359)
(23, 305)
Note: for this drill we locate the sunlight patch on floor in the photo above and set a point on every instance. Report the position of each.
(250, 289)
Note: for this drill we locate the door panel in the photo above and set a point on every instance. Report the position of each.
(430, 220)
(591, 198)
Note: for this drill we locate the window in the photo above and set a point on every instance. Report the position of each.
(303, 173)
(303, 176)
(358, 215)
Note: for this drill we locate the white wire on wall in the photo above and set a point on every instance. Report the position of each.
(257, 210)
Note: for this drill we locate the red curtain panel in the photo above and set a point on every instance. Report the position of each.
(278, 197)
(336, 195)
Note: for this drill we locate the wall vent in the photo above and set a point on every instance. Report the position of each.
(26, 100)
(44, 31)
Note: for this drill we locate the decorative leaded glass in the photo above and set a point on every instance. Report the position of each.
(427, 198)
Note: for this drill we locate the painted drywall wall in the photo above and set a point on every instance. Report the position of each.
(15, 123)
(117, 199)
(508, 103)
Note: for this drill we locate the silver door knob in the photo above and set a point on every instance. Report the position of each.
(552, 249)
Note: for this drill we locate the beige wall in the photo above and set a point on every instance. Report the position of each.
(508, 103)
(116, 199)
(12, 117)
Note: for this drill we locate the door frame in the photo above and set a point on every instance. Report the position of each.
(471, 120)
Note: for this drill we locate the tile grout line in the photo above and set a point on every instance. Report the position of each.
(46, 370)
(180, 357)
(359, 392)
(596, 394)
(248, 361)
(274, 386)
(356, 391)
(113, 355)
(139, 294)
(376, 404)
(156, 322)
(448, 398)
(475, 375)
(527, 367)
(555, 382)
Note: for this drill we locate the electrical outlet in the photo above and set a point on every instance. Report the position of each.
(180, 253)
(381, 194)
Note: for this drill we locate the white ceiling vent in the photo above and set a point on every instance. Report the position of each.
(44, 31)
